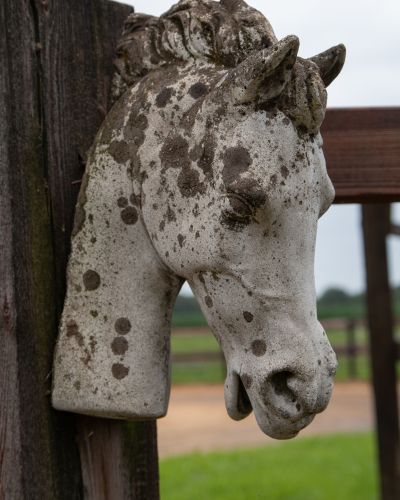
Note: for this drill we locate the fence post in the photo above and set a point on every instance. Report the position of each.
(376, 225)
(54, 92)
(351, 349)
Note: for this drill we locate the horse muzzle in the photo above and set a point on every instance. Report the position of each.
(285, 400)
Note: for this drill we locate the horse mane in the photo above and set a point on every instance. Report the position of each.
(223, 33)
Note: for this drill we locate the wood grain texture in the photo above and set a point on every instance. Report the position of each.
(362, 150)
(31, 464)
(54, 93)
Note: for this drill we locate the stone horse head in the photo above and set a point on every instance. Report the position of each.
(208, 169)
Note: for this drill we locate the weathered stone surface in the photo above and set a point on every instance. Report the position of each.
(208, 169)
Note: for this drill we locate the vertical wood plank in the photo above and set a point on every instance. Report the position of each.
(376, 226)
(55, 93)
(38, 455)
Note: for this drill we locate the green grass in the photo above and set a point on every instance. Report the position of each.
(188, 319)
(182, 344)
(321, 468)
(198, 373)
(214, 372)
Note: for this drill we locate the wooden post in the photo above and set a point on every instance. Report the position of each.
(351, 349)
(376, 226)
(54, 92)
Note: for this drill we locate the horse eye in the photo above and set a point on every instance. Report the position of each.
(237, 208)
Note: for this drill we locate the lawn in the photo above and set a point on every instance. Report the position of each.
(214, 372)
(319, 468)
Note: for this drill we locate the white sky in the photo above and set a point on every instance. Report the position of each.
(370, 30)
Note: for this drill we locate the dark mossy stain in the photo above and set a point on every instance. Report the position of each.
(72, 330)
(120, 151)
(198, 90)
(181, 240)
(122, 326)
(208, 301)
(284, 171)
(170, 215)
(175, 153)
(129, 215)
(77, 385)
(91, 280)
(258, 348)
(119, 346)
(236, 161)
(190, 117)
(122, 202)
(164, 97)
(189, 183)
(273, 180)
(247, 380)
(119, 371)
(134, 130)
(248, 316)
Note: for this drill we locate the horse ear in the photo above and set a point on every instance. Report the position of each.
(264, 74)
(330, 63)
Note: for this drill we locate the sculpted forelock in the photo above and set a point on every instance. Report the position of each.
(208, 168)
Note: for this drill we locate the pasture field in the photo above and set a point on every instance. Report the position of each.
(320, 468)
(201, 340)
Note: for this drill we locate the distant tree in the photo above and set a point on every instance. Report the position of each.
(186, 304)
(334, 296)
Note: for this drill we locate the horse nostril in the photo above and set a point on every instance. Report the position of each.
(279, 382)
(243, 401)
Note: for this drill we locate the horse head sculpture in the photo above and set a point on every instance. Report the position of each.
(209, 168)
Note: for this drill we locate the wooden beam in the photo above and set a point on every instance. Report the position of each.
(376, 226)
(362, 150)
(54, 93)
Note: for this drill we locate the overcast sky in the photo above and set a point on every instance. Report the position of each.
(370, 30)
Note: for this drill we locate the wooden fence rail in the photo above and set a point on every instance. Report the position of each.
(351, 350)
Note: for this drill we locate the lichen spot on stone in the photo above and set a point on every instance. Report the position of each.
(175, 152)
(122, 326)
(119, 346)
(208, 301)
(258, 348)
(122, 202)
(236, 160)
(72, 328)
(91, 280)
(129, 215)
(284, 172)
(248, 316)
(247, 380)
(164, 97)
(198, 90)
(181, 240)
(119, 371)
